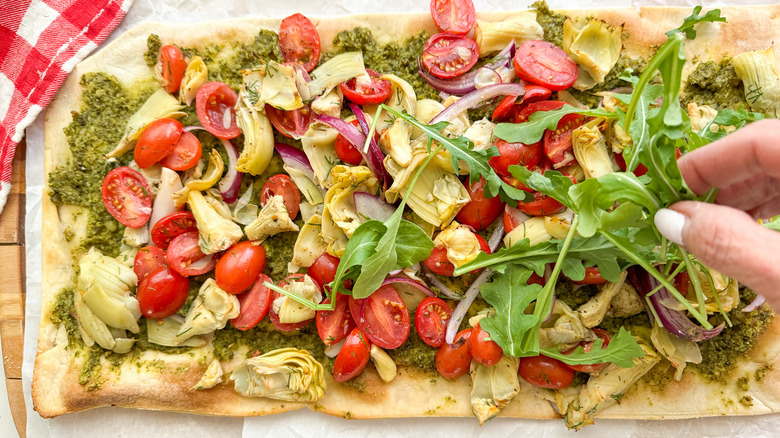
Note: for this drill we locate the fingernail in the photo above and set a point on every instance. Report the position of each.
(670, 223)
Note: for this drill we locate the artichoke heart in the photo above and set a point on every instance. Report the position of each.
(676, 350)
(273, 84)
(195, 75)
(492, 37)
(702, 117)
(564, 328)
(285, 374)
(396, 142)
(460, 242)
(258, 140)
(626, 302)
(210, 311)
(94, 330)
(217, 233)
(715, 283)
(159, 105)
(291, 311)
(211, 377)
(213, 172)
(759, 74)
(592, 312)
(605, 389)
(595, 48)
(481, 133)
(533, 229)
(338, 69)
(493, 387)
(339, 199)
(273, 219)
(104, 285)
(590, 149)
(163, 332)
(318, 145)
(309, 245)
(425, 110)
(329, 104)
(384, 364)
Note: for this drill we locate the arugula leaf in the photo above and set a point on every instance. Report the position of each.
(510, 296)
(620, 351)
(360, 247)
(694, 19)
(714, 130)
(532, 131)
(552, 183)
(773, 224)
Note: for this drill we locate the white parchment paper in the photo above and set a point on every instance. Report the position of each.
(119, 422)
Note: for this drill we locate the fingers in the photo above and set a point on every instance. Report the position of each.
(729, 241)
(736, 157)
(752, 194)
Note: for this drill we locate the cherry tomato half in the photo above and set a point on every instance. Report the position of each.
(508, 109)
(447, 56)
(545, 64)
(352, 357)
(454, 16)
(346, 151)
(162, 293)
(512, 218)
(541, 205)
(454, 360)
(544, 105)
(484, 350)
(156, 142)
(291, 124)
(185, 153)
(374, 92)
(480, 212)
(185, 257)
(239, 266)
(527, 155)
(592, 276)
(146, 260)
(254, 304)
(438, 262)
(545, 372)
(382, 316)
(323, 270)
(282, 185)
(299, 41)
(215, 104)
(126, 196)
(172, 67)
(431, 320)
(283, 326)
(334, 325)
(558, 143)
(640, 170)
(586, 347)
(171, 226)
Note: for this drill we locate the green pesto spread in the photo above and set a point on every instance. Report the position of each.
(551, 23)
(153, 46)
(715, 84)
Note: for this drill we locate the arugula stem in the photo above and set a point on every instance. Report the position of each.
(303, 301)
(646, 76)
(372, 129)
(693, 274)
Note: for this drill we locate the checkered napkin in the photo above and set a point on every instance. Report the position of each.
(40, 43)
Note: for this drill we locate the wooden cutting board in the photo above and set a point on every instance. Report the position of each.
(12, 289)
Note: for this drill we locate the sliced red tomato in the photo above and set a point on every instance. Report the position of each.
(171, 226)
(146, 260)
(543, 166)
(484, 350)
(438, 263)
(172, 67)
(454, 16)
(283, 186)
(545, 64)
(323, 270)
(431, 320)
(545, 372)
(447, 56)
(374, 92)
(544, 105)
(558, 143)
(239, 266)
(185, 153)
(215, 104)
(156, 142)
(541, 205)
(254, 304)
(509, 107)
(185, 257)
(480, 212)
(162, 293)
(334, 325)
(454, 360)
(382, 316)
(286, 327)
(346, 151)
(640, 170)
(586, 347)
(509, 154)
(352, 357)
(126, 196)
(291, 124)
(592, 276)
(299, 41)
(512, 218)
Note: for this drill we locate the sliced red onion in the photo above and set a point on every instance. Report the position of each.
(231, 183)
(463, 306)
(414, 283)
(201, 263)
(372, 206)
(465, 83)
(295, 158)
(374, 158)
(333, 350)
(412, 292)
(674, 321)
(443, 289)
(496, 237)
(755, 304)
(170, 183)
(478, 98)
(486, 76)
(193, 128)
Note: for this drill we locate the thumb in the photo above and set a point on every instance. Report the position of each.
(727, 240)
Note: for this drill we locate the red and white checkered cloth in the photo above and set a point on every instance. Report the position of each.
(40, 43)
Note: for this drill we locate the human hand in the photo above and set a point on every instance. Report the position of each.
(745, 168)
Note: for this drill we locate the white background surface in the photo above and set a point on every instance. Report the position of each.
(125, 422)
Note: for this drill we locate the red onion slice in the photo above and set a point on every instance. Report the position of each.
(496, 237)
(463, 306)
(333, 350)
(414, 283)
(193, 128)
(231, 183)
(465, 83)
(486, 76)
(477, 98)
(674, 321)
(755, 304)
(372, 206)
(295, 158)
(443, 289)
(374, 158)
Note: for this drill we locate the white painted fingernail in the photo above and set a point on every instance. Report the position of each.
(670, 223)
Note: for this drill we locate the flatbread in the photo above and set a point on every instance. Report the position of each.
(56, 390)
